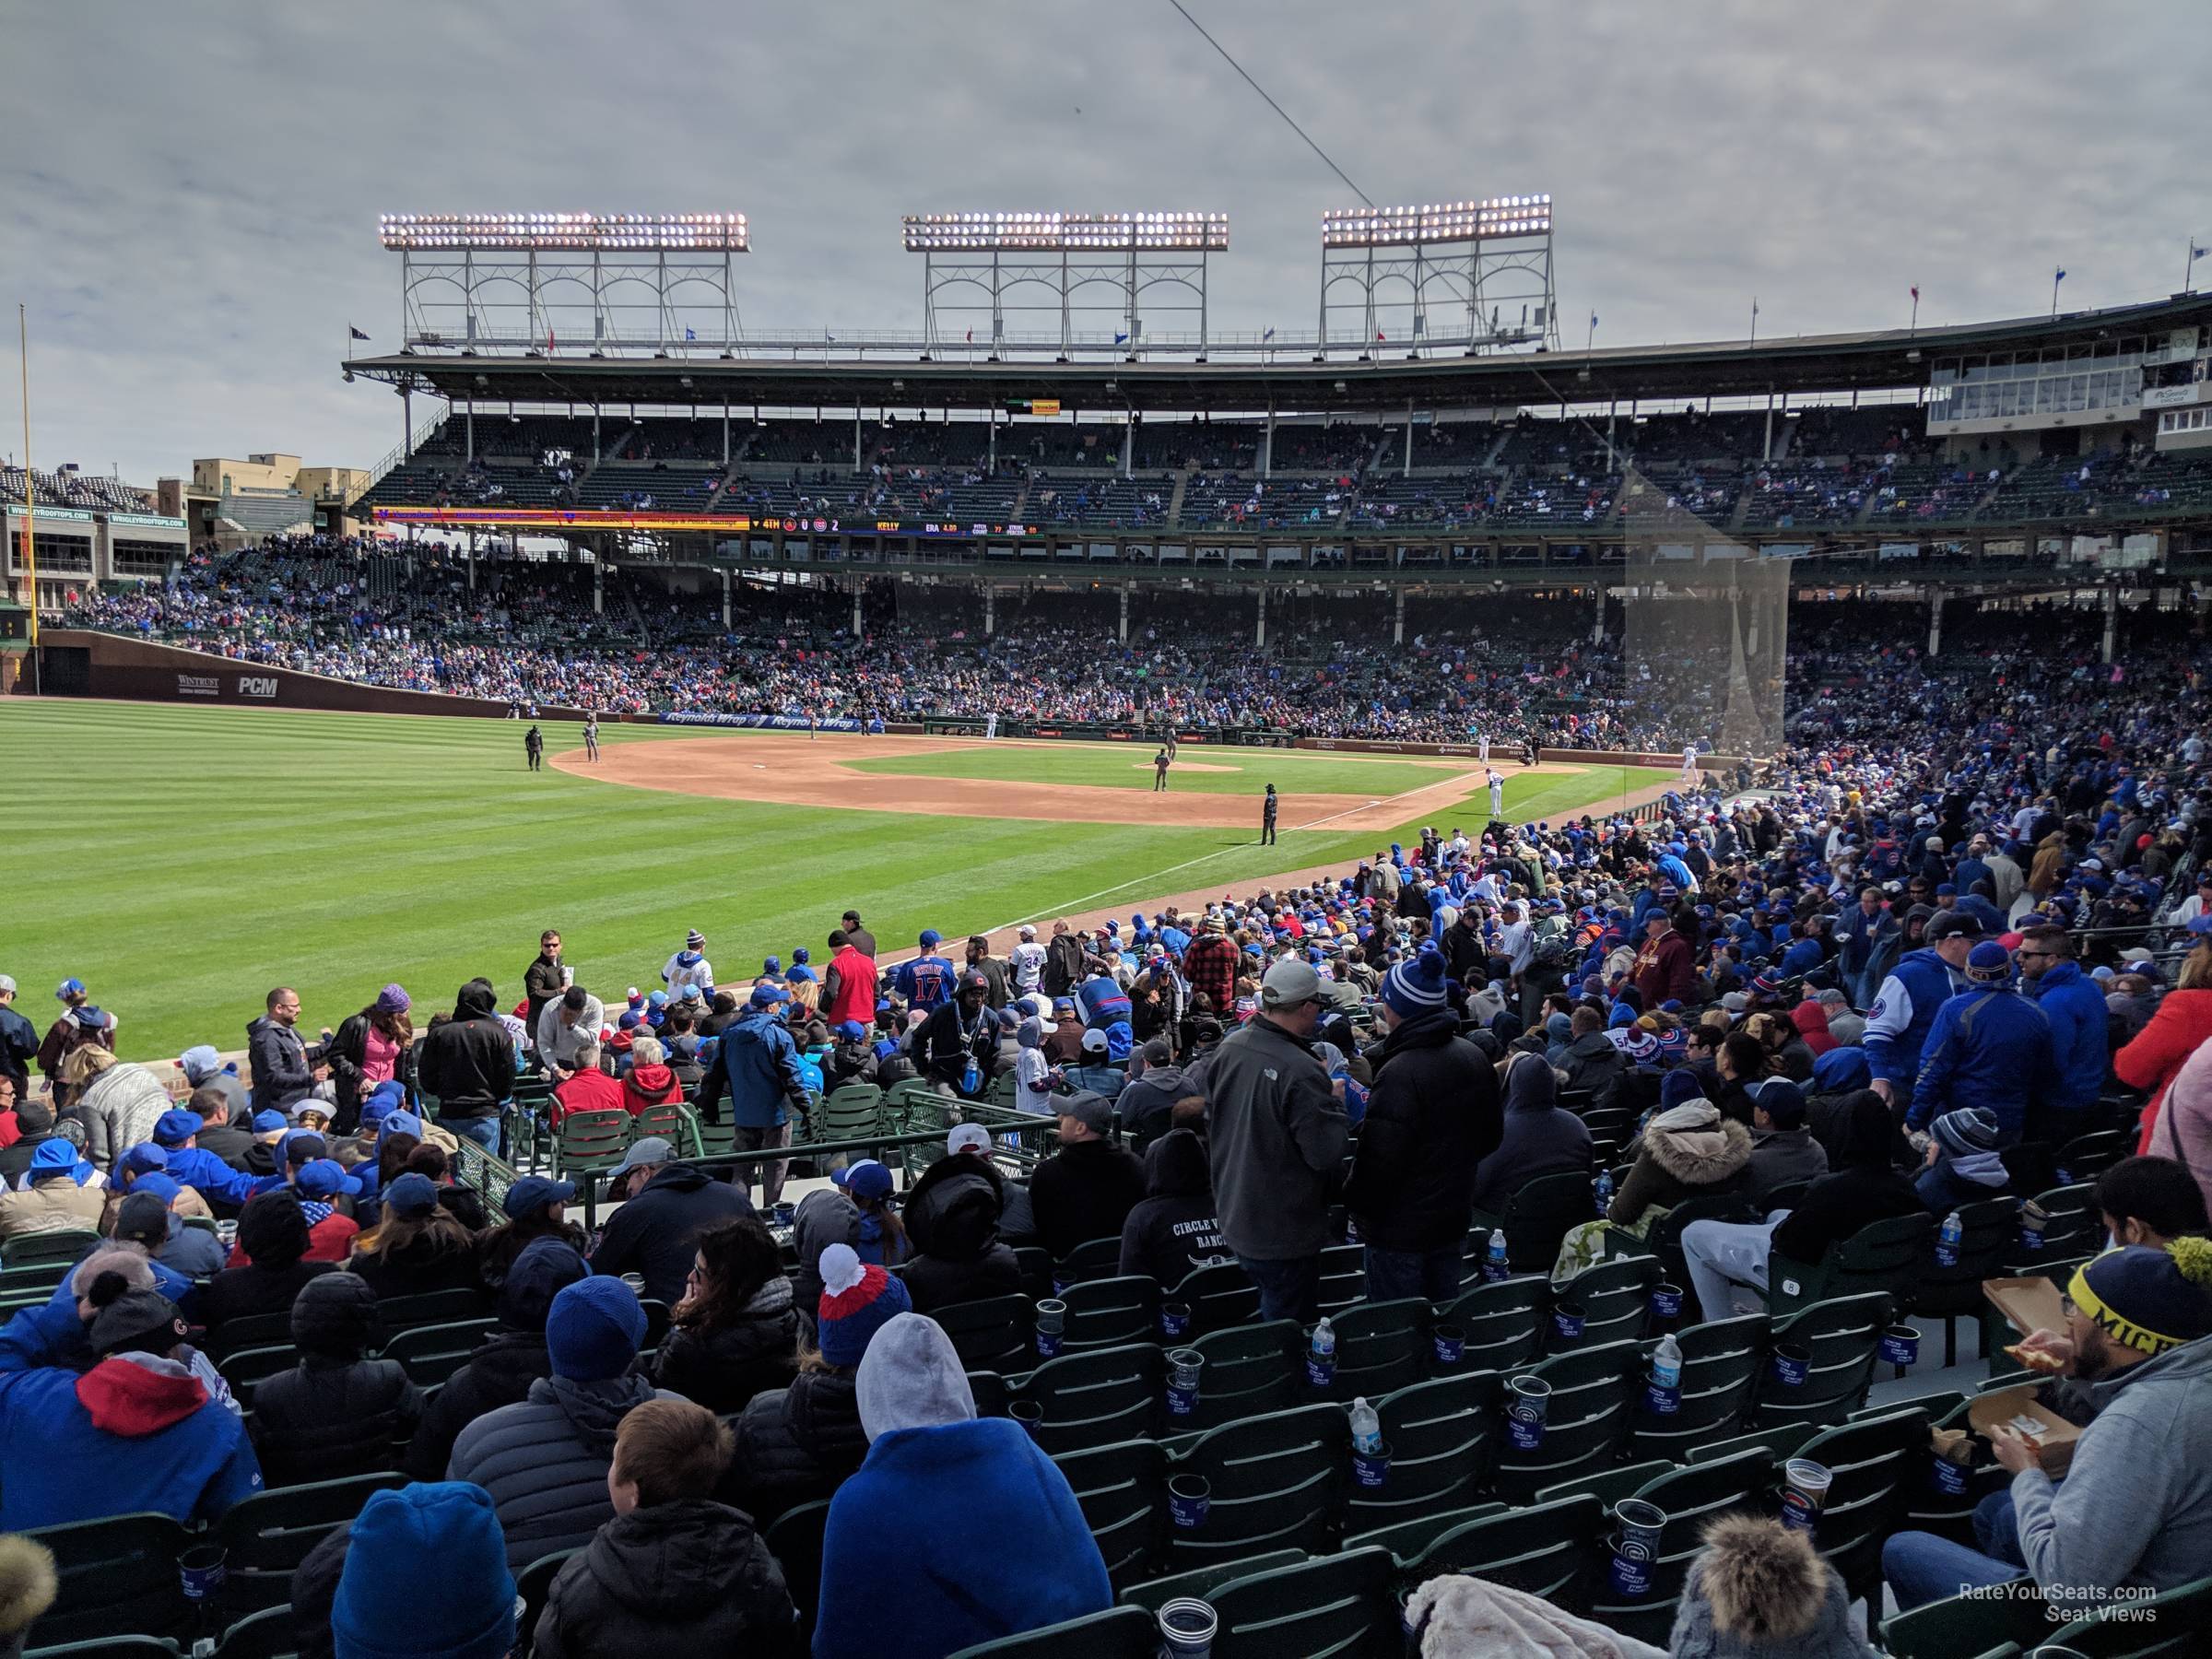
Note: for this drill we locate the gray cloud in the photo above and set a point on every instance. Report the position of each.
(192, 192)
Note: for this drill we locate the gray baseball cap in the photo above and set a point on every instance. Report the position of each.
(652, 1150)
(1288, 984)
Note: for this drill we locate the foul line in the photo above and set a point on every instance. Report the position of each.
(1076, 904)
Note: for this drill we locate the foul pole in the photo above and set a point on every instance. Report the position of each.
(30, 496)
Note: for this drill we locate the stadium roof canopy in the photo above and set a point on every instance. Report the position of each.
(962, 377)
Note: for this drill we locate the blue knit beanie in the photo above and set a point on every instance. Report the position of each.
(592, 1330)
(1678, 1089)
(1415, 988)
(426, 1572)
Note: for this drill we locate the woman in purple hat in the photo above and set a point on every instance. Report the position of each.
(371, 1047)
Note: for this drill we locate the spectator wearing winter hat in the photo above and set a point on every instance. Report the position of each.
(952, 1218)
(734, 1333)
(1989, 1047)
(52, 1199)
(269, 1264)
(426, 1575)
(506, 1363)
(797, 1443)
(667, 1205)
(688, 966)
(545, 1460)
(1173, 1231)
(1433, 1114)
(912, 1529)
(1758, 1591)
(417, 1245)
(376, 1045)
(2135, 1513)
(217, 1183)
(1783, 1153)
(1964, 1160)
(334, 1413)
(1087, 1188)
(1092, 1071)
(138, 1432)
(674, 1571)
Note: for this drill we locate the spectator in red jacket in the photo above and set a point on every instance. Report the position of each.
(586, 1089)
(2153, 1057)
(1210, 964)
(1664, 970)
(650, 1081)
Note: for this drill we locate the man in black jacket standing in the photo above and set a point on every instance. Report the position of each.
(1433, 1117)
(469, 1063)
(284, 1068)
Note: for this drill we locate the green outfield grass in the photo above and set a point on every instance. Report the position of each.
(1129, 766)
(181, 861)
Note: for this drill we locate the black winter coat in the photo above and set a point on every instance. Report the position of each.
(1433, 1117)
(675, 1578)
(499, 1374)
(1173, 1232)
(419, 1269)
(952, 1216)
(797, 1445)
(327, 1417)
(724, 1368)
(467, 1061)
(238, 1292)
(349, 1046)
(657, 1231)
(1085, 1190)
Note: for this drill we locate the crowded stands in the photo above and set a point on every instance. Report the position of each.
(1527, 1235)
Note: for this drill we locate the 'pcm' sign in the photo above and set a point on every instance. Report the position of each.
(252, 685)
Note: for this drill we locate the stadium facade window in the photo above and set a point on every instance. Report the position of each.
(58, 554)
(142, 559)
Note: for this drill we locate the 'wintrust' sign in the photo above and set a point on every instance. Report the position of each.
(199, 684)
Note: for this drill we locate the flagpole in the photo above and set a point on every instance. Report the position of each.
(2055, 280)
(30, 496)
(1754, 320)
(2189, 270)
(1915, 327)
(1590, 339)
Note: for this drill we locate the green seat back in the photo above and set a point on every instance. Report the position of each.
(57, 1249)
(674, 1123)
(1096, 1398)
(1107, 1313)
(269, 1535)
(1381, 1346)
(1720, 1360)
(1250, 1370)
(1690, 1497)
(1889, 1257)
(1592, 1390)
(1541, 1549)
(1968, 1624)
(1339, 1603)
(1217, 1296)
(1443, 1443)
(1343, 1277)
(794, 1538)
(1872, 1461)
(849, 1112)
(1122, 1491)
(1116, 1633)
(1989, 1237)
(1092, 1259)
(1200, 1582)
(1408, 1540)
(1843, 1336)
(997, 1333)
(1502, 1322)
(117, 1577)
(433, 1353)
(1663, 1234)
(272, 1633)
(1609, 1484)
(1275, 1480)
(1614, 1297)
(1536, 1218)
(1778, 1440)
(590, 1141)
(2166, 1627)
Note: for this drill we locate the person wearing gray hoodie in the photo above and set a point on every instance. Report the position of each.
(2134, 1513)
(921, 1528)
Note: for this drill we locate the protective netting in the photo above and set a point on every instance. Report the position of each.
(1706, 624)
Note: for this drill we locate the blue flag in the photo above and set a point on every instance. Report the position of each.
(2195, 252)
(1268, 334)
(1593, 319)
(2061, 275)
(1120, 339)
(689, 335)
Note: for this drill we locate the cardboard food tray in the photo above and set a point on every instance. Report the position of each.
(1993, 1410)
(2029, 1303)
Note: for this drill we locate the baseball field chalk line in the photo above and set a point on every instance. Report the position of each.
(1075, 904)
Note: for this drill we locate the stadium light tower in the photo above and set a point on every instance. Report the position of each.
(648, 282)
(977, 268)
(1472, 277)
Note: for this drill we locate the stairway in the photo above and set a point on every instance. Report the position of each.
(1183, 478)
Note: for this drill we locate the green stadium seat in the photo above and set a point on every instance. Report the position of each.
(1967, 1624)
(60, 1248)
(1343, 1277)
(1778, 1440)
(1200, 1582)
(1092, 1259)
(1122, 1491)
(1536, 1218)
(1107, 1313)
(1614, 1297)
(269, 1535)
(794, 1538)
(272, 1633)
(1339, 1604)
(243, 1371)
(1543, 1549)
(1217, 1296)
(1721, 1361)
(2167, 1626)
(1096, 1398)
(433, 1353)
(1381, 1346)
(1889, 1257)
(1873, 1463)
(2086, 1157)
(118, 1578)
(1274, 1481)
(1662, 1236)
(1250, 1370)
(1117, 1633)
(1407, 1539)
(1691, 1497)
(997, 1333)
(2072, 1227)
(1841, 1336)
(1443, 1437)
(1608, 1485)
(1503, 1321)
(590, 1143)
(674, 1123)
(1593, 1393)
(1990, 1234)
(534, 1585)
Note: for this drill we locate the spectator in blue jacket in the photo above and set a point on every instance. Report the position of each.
(926, 983)
(1863, 928)
(1990, 1047)
(2074, 1004)
(136, 1432)
(1104, 1007)
(226, 1189)
(758, 1064)
(1905, 1007)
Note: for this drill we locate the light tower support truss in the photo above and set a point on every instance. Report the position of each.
(1468, 277)
(1060, 283)
(614, 284)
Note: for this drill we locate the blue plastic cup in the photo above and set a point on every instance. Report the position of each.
(1527, 1401)
(1371, 1469)
(1947, 1479)
(1666, 1301)
(1792, 1365)
(1189, 1498)
(1028, 1413)
(1174, 1321)
(1321, 1373)
(1900, 1345)
(1661, 1401)
(1052, 1319)
(1803, 1493)
(1567, 1320)
(1450, 1343)
(201, 1571)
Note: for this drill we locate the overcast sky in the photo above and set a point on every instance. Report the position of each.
(191, 192)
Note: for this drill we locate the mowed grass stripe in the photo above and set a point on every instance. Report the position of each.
(183, 860)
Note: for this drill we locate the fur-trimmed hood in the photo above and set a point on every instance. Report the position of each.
(1702, 1157)
(1757, 1588)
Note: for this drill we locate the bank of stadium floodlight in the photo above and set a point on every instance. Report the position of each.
(979, 267)
(564, 232)
(1485, 264)
(1066, 232)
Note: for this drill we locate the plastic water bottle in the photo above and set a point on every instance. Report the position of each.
(1947, 1240)
(1324, 1342)
(1498, 1266)
(1367, 1427)
(1603, 1188)
(1666, 1363)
